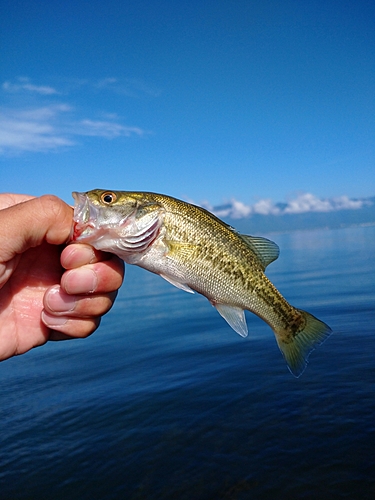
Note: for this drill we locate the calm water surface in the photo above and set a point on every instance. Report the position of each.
(165, 401)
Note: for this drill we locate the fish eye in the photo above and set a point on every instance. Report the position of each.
(108, 198)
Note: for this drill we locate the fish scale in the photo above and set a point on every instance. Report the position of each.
(196, 251)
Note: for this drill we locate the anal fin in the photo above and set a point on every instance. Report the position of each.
(235, 317)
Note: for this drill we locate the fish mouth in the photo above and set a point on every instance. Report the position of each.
(84, 218)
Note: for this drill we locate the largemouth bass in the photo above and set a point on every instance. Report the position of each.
(195, 251)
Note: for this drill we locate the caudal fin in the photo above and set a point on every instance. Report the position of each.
(297, 351)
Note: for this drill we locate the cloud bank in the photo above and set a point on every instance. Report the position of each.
(302, 203)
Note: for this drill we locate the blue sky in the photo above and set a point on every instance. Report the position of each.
(207, 101)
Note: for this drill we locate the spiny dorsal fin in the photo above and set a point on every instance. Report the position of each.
(266, 250)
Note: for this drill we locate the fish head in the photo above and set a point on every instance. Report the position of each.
(120, 222)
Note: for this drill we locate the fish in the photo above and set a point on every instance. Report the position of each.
(195, 251)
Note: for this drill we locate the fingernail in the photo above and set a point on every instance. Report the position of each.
(79, 281)
(58, 301)
(53, 321)
(80, 254)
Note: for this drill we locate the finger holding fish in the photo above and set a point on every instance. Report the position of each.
(84, 293)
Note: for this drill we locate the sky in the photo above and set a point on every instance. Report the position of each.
(254, 101)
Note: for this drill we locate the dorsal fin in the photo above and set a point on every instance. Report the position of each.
(266, 250)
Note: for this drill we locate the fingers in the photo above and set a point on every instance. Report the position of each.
(87, 291)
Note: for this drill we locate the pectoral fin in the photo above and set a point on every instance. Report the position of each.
(235, 317)
(178, 284)
(178, 249)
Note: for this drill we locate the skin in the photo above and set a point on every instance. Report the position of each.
(49, 291)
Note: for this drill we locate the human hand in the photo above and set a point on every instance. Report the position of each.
(48, 291)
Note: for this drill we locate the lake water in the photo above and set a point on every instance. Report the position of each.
(165, 401)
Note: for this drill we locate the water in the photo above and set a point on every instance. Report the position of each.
(165, 401)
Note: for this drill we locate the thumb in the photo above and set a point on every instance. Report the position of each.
(28, 224)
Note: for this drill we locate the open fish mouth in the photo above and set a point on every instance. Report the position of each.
(84, 219)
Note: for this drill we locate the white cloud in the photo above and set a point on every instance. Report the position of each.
(25, 85)
(307, 202)
(108, 129)
(106, 82)
(54, 126)
(344, 202)
(239, 209)
(235, 209)
(265, 207)
(130, 87)
(32, 130)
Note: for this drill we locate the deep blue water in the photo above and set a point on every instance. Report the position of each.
(165, 401)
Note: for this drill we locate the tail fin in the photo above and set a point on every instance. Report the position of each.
(297, 351)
